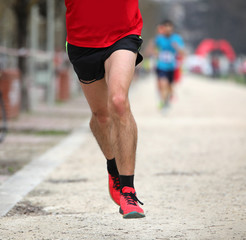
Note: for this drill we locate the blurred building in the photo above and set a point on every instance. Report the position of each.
(196, 20)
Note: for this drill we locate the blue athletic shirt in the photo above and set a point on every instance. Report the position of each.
(166, 60)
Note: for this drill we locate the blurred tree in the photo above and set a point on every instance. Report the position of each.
(22, 10)
(152, 13)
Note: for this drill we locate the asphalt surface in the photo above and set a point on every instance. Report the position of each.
(190, 173)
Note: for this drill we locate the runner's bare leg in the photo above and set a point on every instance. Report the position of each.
(97, 96)
(112, 122)
(119, 69)
(163, 87)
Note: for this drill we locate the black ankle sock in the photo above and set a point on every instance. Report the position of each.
(126, 181)
(112, 167)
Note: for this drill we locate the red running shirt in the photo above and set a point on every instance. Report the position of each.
(100, 23)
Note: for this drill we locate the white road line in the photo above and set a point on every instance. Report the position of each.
(25, 180)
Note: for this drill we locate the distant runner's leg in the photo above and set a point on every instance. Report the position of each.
(164, 88)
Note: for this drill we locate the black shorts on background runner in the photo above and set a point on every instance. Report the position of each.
(88, 63)
(169, 75)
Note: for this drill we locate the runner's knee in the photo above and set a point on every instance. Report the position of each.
(118, 105)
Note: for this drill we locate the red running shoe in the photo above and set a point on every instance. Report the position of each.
(114, 188)
(129, 204)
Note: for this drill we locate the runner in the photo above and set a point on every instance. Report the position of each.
(103, 42)
(169, 46)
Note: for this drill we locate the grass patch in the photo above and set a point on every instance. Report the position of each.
(235, 78)
(9, 167)
(240, 79)
(40, 132)
(11, 170)
(51, 132)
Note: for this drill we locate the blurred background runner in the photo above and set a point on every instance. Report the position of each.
(168, 48)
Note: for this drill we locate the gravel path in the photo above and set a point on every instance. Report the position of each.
(191, 175)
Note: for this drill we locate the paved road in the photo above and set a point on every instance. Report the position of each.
(191, 175)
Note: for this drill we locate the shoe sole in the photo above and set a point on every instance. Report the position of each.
(132, 214)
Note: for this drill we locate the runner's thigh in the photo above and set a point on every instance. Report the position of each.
(119, 71)
(96, 94)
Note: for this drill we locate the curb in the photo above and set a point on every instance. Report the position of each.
(25, 180)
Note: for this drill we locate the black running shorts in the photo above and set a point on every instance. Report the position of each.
(169, 75)
(88, 63)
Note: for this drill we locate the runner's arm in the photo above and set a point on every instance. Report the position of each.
(178, 48)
